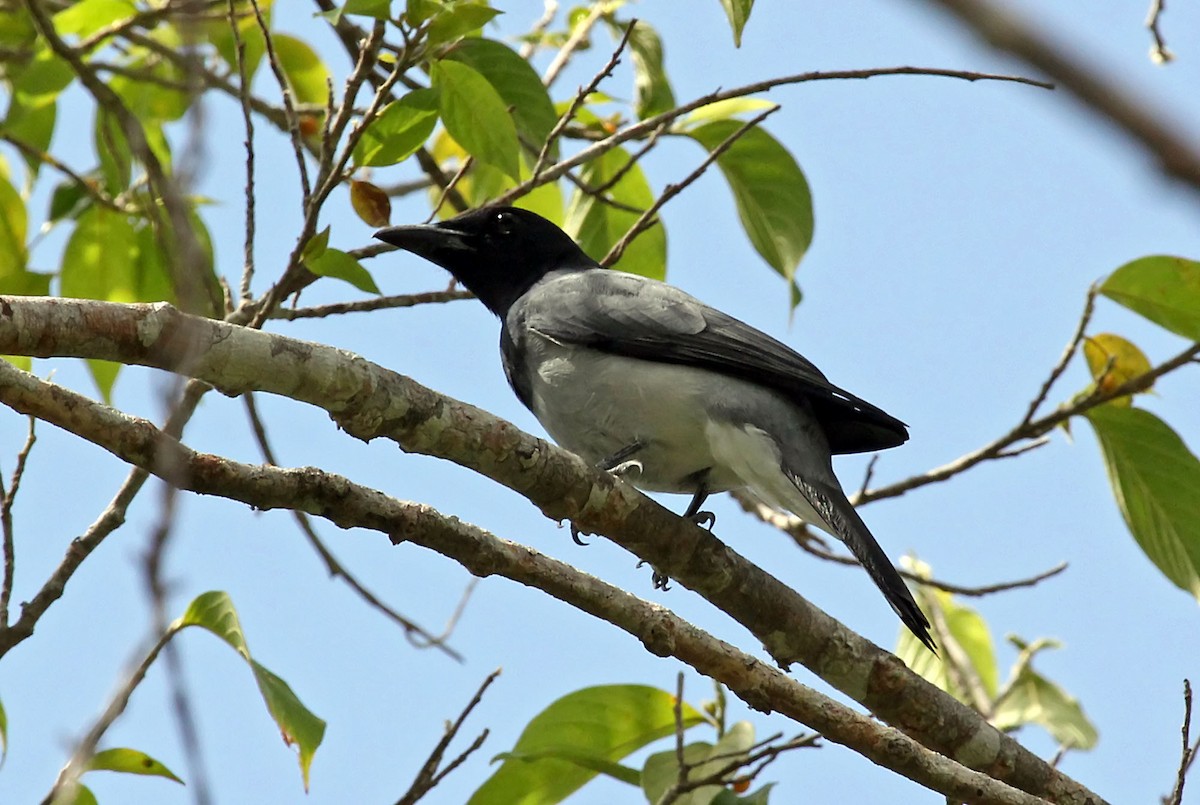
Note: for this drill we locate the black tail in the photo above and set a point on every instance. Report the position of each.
(832, 504)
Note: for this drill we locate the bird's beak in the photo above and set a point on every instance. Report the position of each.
(425, 240)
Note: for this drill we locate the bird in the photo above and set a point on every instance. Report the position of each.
(644, 380)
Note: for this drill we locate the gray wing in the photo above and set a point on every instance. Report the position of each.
(637, 317)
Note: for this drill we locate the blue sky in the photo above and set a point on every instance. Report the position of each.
(958, 227)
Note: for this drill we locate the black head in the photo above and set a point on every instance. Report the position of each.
(498, 253)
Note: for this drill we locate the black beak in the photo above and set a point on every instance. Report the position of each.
(425, 240)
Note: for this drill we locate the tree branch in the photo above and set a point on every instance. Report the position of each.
(664, 634)
(1007, 31)
(368, 401)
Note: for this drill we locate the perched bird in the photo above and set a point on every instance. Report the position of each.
(646, 381)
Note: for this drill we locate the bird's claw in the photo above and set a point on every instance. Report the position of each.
(575, 537)
(704, 520)
(659, 579)
(632, 467)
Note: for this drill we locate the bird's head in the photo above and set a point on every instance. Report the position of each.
(498, 253)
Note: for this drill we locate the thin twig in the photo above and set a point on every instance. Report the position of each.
(429, 776)
(1085, 318)
(248, 123)
(7, 498)
(1112, 101)
(1190, 750)
(1032, 430)
(93, 189)
(289, 106)
(1159, 51)
(550, 9)
(67, 782)
(578, 36)
(365, 305)
(645, 220)
(579, 99)
(412, 631)
(644, 127)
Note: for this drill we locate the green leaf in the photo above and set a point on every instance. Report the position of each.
(1113, 360)
(316, 245)
(379, 9)
(607, 723)
(67, 199)
(517, 82)
(772, 195)
(738, 12)
(104, 375)
(84, 796)
(968, 631)
(759, 797)
(251, 35)
(458, 20)
(88, 16)
(45, 75)
(116, 161)
(31, 120)
(100, 258)
(652, 92)
(418, 11)
(598, 226)
(130, 761)
(214, 611)
(1155, 479)
(149, 101)
(720, 110)
(1166, 290)
(14, 222)
(1033, 699)
(336, 263)
(400, 129)
(476, 116)
(3, 734)
(306, 74)
(297, 723)
(662, 769)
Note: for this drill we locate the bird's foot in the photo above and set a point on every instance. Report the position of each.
(659, 579)
(704, 520)
(576, 538)
(632, 468)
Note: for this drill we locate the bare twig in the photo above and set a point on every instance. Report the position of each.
(550, 9)
(289, 105)
(8, 496)
(365, 305)
(1034, 429)
(1190, 750)
(809, 542)
(579, 99)
(93, 189)
(414, 633)
(1068, 352)
(429, 776)
(67, 782)
(644, 127)
(248, 123)
(1159, 52)
(578, 36)
(1004, 29)
(645, 220)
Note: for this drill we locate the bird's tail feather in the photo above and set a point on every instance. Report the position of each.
(837, 512)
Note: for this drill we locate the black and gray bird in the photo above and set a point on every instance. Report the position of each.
(640, 378)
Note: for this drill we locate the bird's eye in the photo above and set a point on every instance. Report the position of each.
(504, 221)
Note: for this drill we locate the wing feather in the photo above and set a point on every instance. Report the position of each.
(641, 318)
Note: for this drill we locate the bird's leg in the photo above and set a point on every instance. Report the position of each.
(693, 513)
(659, 579)
(619, 466)
(617, 463)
